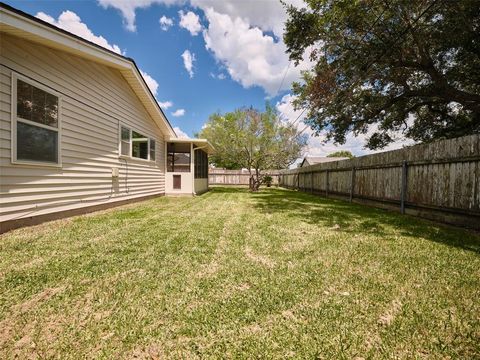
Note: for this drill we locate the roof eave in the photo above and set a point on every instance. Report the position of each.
(202, 143)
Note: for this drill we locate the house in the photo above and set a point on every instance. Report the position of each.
(312, 160)
(80, 129)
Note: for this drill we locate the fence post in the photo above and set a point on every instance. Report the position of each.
(403, 189)
(311, 182)
(352, 184)
(326, 184)
(298, 181)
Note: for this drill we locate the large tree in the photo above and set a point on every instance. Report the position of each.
(388, 67)
(255, 140)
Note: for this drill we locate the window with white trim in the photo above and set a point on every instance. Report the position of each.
(136, 145)
(36, 123)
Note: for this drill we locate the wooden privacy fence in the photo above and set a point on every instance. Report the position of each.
(440, 180)
(236, 177)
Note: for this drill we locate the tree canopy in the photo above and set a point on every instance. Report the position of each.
(255, 140)
(342, 153)
(382, 68)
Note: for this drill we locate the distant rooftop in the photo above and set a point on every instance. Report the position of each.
(312, 160)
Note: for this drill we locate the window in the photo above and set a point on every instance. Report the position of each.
(136, 145)
(35, 123)
(201, 164)
(139, 145)
(152, 149)
(178, 157)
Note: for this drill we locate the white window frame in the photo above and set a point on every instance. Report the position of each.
(130, 156)
(15, 119)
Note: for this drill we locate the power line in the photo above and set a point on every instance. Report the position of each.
(284, 75)
(298, 117)
(305, 128)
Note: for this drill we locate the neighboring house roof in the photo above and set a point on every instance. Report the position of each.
(312, 160)
(23, 25)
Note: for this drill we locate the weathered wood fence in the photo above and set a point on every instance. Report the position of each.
(440, 180)
(235, 177)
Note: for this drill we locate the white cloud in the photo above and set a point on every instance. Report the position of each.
(245, 37)
(151, 82)
(180, 133)
(190, 21)
(165, 104)
(316, 145)
(71, 22)
(250, 57)
(178, 112)
(165, 23)
(220, 76)
(267, 15)
(128, 8)
(188, 59)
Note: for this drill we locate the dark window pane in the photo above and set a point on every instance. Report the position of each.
(125, 134)
(125, 148)
(178, 157)
(36, 105)
(139, 145)
(136, 135)
(201, 164)
(152, 149)
(36, 144)
(178, 147)
(170, 157)
(51, 110)
(24, 100)
(140, 149)
(182, 159)
(38, 109)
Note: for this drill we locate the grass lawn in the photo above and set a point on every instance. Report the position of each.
(232, 274)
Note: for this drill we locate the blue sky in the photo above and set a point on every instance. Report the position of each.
(204, 56)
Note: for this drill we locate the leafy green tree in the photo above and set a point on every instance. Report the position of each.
(342, 153)
(409, 66)
(257, 141)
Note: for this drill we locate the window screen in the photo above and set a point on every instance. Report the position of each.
(201, 164)
(178, 157)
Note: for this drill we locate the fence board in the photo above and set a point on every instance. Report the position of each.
(442, 179)
(235, 177)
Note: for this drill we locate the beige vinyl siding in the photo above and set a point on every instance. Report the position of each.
(96, 99)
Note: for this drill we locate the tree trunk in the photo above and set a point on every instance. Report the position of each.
(255, 181)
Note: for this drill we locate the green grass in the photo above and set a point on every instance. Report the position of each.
(232, 274)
